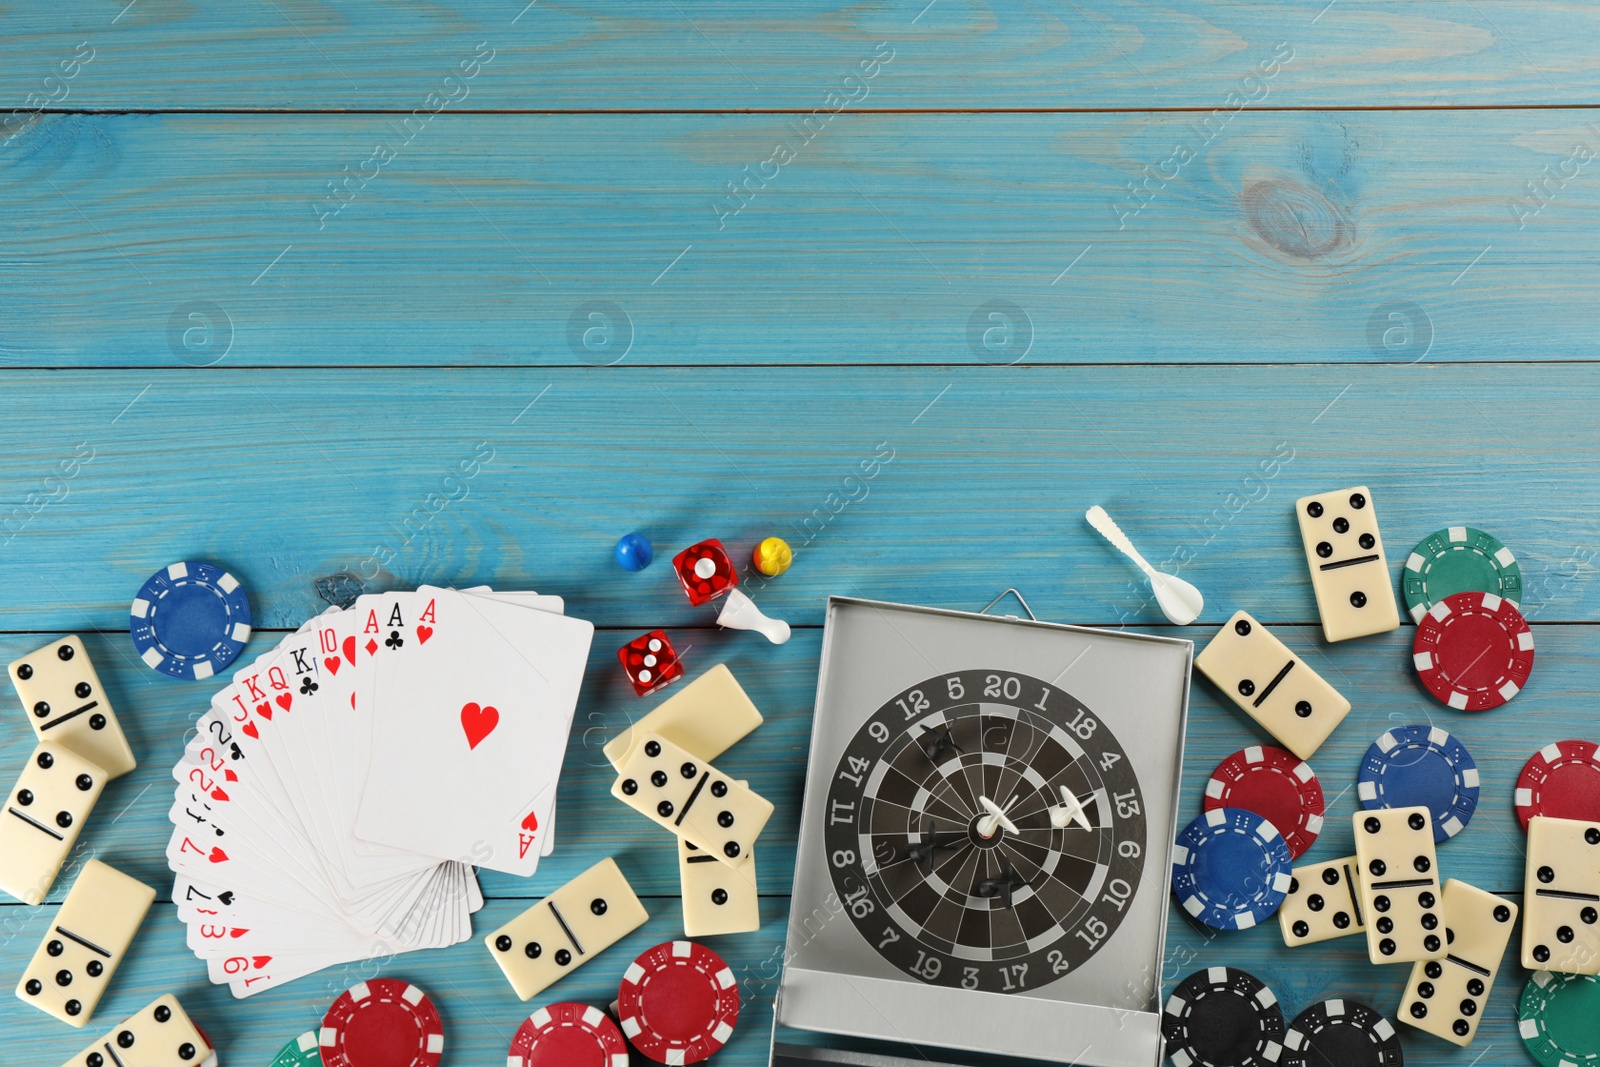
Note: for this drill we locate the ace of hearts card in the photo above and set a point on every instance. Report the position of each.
(469, 730)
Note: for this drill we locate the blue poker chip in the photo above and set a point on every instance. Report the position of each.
(1421, 766)
(1230, 869)
(190, 620)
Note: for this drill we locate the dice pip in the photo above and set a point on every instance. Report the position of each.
(84, 945)
(682, 793)
(650, 662)
(1446, 997)
(159, 1036)
(66, 703)
(1324, 902)
(1272, 684)
(46, 809)
(1561, 896)
(705, 571)
(1349, 572)
(566, 929)
(1399, 885)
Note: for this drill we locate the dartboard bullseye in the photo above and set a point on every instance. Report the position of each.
(985, 830)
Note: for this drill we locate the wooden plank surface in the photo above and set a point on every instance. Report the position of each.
(614, 240)
(130, 829)
(720, 55)
(305, 470)
(974, 479)
(1247, 252)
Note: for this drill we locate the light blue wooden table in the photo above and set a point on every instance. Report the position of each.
(269, 270)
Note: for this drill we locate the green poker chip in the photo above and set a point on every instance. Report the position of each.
(301, 1052)
(1559, 1018)
(1458, 559)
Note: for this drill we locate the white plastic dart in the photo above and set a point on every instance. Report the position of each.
(996, 818)
(739, 612)
(1180, 602)
(1070, 811)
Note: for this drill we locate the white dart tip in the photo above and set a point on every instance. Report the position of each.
(739, 612)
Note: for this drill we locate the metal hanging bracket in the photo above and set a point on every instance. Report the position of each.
(1002, 596)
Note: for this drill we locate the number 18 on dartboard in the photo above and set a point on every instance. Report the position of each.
(987, 832)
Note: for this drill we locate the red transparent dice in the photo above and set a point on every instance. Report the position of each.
(650, 662)
(705, 570)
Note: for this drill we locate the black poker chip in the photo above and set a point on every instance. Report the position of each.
(1342, 1033)
(1223, 1017)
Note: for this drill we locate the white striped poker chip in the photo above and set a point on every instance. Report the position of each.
(568, 1035)
(1222, 1015)
(1421, 765)
(678, 1003)
(1230, 869)
(1473, 651)
(382, 1023)
(190, 620)
(1275, 784)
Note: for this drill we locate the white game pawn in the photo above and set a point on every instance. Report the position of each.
(996, 818)
(1070, 811)
(739, 612)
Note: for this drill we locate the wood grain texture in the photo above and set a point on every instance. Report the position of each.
(911, 484)
(1263, 237)
(130, 828)
(315, 54)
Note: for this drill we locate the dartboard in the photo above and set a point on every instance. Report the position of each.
(984, 830)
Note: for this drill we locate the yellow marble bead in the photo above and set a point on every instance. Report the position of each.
(772, 556)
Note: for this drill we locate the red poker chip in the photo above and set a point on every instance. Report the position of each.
(1473, 651)
(678, 1003)
(1278, 786)
(1562, 781)
(382, 1023)
(568, 1035)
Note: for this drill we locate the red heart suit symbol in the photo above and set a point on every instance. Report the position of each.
(237, 932)
(218, 794)
(264, 710)
(260, 961)
(229, 775)
(349, 649)
(249, 730)
(218, 856)
(332, 663)
(478, 722)
(284, 700)
(423, 633)
(531, 823)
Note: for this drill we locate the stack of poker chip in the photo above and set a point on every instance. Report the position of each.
(1232, 866)
(1225, 1016)
(678, 1003)
(1473, 649)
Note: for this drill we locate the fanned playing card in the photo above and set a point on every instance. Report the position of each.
(273, 880)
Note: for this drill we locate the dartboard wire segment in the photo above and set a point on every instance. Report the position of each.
(971, 898)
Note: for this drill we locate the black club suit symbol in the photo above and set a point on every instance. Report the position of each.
(395, 640)
(307, 687)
